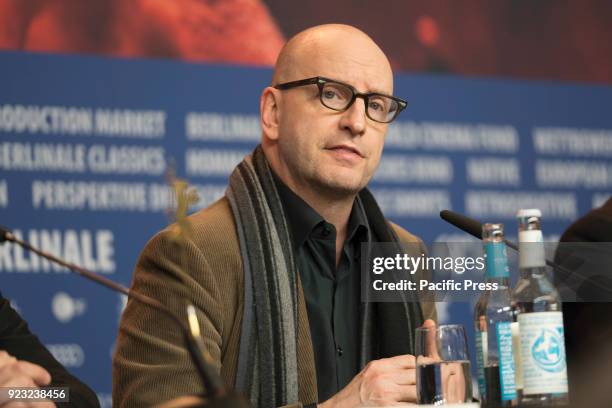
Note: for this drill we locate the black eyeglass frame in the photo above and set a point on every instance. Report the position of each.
(321, 81)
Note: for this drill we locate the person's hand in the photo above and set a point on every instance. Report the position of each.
(384, 382)
(453, 383)
(16, 373)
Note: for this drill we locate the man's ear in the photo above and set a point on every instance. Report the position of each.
(269, 112)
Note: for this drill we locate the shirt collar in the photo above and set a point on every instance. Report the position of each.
(358, 224)
(302, 219)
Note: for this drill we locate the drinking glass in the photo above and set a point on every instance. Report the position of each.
(443, 365)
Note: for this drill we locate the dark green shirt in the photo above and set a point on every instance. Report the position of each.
(332, 294)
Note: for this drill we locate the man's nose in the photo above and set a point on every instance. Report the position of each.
(354, 118)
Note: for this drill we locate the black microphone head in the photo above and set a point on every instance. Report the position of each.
(5, 234)
(467, 224)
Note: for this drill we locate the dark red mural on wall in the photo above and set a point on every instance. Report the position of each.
(553, 39)
(232, 31)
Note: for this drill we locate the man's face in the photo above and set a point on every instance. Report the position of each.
(324, 150)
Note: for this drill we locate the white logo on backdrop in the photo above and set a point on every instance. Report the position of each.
(66, 308)
(69, 355)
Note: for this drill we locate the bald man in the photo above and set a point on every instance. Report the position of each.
(273, 268)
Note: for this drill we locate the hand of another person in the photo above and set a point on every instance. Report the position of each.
(384, 382)
(18, 373)
(453, 383)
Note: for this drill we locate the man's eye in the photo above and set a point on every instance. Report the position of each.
(376, 106)
(329, 94)
(336, 93)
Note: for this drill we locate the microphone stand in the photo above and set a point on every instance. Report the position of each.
(217, 395)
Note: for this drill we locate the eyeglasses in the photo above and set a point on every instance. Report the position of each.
(340, 96)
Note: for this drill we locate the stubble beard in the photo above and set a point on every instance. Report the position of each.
(321, 178)
(335, 188)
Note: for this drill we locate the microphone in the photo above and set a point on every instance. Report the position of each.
(4, 234)
(466, 224)
(595, 287)
(469, 225)
(217, 394)
(474, 228)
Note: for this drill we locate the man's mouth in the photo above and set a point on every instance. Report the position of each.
(347, 150)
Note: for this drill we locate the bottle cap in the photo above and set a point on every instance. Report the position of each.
(529, 212)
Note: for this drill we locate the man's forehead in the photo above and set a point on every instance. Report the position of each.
(365, 73)
(336, 52)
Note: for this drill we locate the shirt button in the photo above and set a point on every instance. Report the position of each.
(340, 351)
(326, 230)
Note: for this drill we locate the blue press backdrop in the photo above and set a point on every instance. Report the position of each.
(84, 142)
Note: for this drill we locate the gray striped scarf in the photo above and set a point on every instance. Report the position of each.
(267, 363)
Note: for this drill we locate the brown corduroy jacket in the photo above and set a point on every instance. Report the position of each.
(151, 364)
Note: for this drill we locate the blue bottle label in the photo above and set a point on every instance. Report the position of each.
(481, 345)
(506, 361)
(496, 260)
